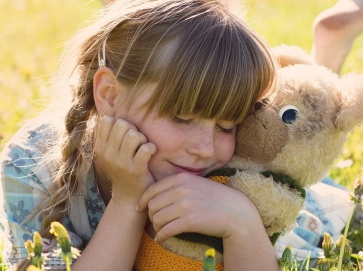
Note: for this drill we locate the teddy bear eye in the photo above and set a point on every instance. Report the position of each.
(288, 113)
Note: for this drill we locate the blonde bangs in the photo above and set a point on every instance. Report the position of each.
(216, 72)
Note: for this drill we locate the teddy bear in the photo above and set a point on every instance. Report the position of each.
(287, 144)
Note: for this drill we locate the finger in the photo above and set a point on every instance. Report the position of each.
(163, 217)
(118, 132)
(104, 129)
(153, 190)
(143, 156)
(160, 202)
(169, 230)
(131, 143)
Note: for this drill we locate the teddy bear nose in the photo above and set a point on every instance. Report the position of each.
(259, 105)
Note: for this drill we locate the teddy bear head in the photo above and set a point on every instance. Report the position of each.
(300, 129)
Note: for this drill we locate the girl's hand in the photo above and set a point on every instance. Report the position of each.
(124, 154)
(188, 203)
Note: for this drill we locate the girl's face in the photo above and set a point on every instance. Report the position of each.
(184, 143)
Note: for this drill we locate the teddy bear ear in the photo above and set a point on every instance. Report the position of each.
(290, 55)
(351, 98)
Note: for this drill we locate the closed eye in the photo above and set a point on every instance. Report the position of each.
(225, 130)
(182, 121)
(219, 127)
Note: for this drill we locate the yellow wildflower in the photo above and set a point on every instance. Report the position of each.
(33, 268)
(328, 245)
(67, 251)
(209, 261)
(35, 250)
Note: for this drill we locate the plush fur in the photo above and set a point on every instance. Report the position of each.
(328, 108)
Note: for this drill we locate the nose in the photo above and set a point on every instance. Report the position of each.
(202, 142)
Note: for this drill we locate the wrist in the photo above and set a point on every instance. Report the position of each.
(246, 221)
(126, 204)
(243, 247)
(124, 199)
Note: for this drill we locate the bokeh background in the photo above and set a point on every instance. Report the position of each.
(33, 32)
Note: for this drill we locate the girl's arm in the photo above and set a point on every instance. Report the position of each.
(248, 246)
(188, 203)
(115, 243)
(122, 156)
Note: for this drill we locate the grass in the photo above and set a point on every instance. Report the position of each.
(34, 32)
(32, 36)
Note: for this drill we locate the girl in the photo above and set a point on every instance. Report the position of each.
(156, 90)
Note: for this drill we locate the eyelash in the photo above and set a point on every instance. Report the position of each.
(187, 122)
(224, 130)
(181, 121)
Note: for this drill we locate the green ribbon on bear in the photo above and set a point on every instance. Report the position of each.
(216, 242)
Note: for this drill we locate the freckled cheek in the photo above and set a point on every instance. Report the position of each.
(165, 139)
(225, 149)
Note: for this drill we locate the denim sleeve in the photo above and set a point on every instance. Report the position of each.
(21, 191)
(24, 182)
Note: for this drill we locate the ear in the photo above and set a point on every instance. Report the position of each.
(291, 55)
(351, 108)
(105, 91)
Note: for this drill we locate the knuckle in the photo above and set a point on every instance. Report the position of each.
(135, 136)
(152, 190)
(185, 206)
(189, 222)
(151, 205)
(156, 228)
(107, 156)
(167, 231)
(122, 124)
(131, 134)
(142, 138)
(182, 192)
(125, 127)
(129, 125)
(156, 218)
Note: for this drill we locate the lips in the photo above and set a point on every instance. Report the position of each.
(191, 170)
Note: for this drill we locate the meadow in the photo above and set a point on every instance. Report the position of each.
(34, 32)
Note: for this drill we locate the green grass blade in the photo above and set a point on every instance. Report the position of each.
(340, 261)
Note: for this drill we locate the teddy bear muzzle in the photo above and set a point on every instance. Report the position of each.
(262, 135)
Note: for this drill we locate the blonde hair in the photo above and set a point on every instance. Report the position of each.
(203, 58)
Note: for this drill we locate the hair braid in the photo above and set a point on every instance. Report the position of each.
(75, 151)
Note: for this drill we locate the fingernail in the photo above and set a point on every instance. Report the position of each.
(155, 239)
